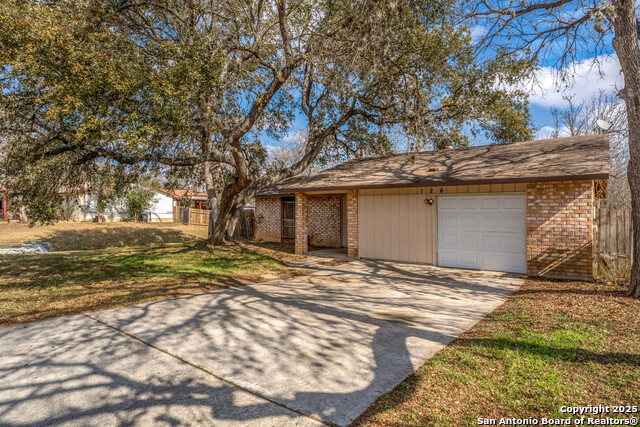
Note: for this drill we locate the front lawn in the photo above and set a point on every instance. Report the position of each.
(551, 344)
(99, 266)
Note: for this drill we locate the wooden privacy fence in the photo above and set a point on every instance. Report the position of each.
(191, 216)
(244, 229)
(246, 224)
(199, 216)
(181, 214)
(613, 239)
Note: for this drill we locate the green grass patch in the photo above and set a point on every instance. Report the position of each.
(98, 267)
(551, 344)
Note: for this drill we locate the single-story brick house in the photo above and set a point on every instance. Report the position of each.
(525, 207)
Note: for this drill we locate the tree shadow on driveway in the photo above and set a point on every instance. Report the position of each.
(328, 344)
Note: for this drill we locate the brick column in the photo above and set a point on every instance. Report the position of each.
(302, 223)
(352, 223)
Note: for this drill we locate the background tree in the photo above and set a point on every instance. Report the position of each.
(559, 33)
(580, 118)
(138, 199)
(171, 86)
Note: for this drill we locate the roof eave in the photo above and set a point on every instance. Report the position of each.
(585, 177)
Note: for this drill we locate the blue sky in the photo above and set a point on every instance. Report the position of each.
(587, 80)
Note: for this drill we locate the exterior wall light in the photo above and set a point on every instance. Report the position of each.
(428, 201)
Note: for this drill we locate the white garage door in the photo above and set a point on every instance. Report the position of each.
(482, 232)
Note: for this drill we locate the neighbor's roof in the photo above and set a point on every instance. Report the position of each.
(276, 189)
(191, 194)
(560, 159)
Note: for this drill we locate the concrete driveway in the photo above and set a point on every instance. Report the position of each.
(327, 344)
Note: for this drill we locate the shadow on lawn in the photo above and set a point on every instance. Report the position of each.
(617, 291)
(41, 286)
(330, 351)
(102, 236)
(564, 354)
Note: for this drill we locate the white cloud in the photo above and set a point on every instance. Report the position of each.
(547, 132)
(585, 79)
(477, 32)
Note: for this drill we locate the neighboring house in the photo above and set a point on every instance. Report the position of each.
(160, 210)
(188, 198)
(525, 207)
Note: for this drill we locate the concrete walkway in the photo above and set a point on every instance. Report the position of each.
(328, 344)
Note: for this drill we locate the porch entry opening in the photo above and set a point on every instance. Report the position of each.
(288, 217)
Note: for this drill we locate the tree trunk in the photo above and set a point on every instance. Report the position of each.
(213, 180)
(23, 215)
(213, 215)
(220, 225)
(625, 44)
(233, 223)
(634, 183)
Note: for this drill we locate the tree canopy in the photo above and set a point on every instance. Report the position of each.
(130, 86)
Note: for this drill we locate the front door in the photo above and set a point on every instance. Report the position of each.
(288, 219)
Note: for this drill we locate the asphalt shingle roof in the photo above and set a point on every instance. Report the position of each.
(559, 159)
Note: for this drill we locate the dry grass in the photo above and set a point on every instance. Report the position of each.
(551, 344)
(99, 266)
(68, 236)
(614, 272)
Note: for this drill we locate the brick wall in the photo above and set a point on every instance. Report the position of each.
(560, 229)
(268, 225)
(324, 220)
(302, 224)
(352, 222)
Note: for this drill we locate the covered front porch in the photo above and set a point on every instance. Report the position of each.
(325, 219)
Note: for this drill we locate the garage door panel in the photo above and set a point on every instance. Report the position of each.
(469, 259)
(468, 222)
(496, 242)
(448, 204)
(466, 204)
(449, 240)
(514, 242)
(491, 262)
(512, 223)
(490, 203)
(491, 242)
(491, 222)
(513, 202)
(469, 240)
(448, 257)
(448, 222)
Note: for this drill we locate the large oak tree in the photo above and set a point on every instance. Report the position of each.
(202, 86)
